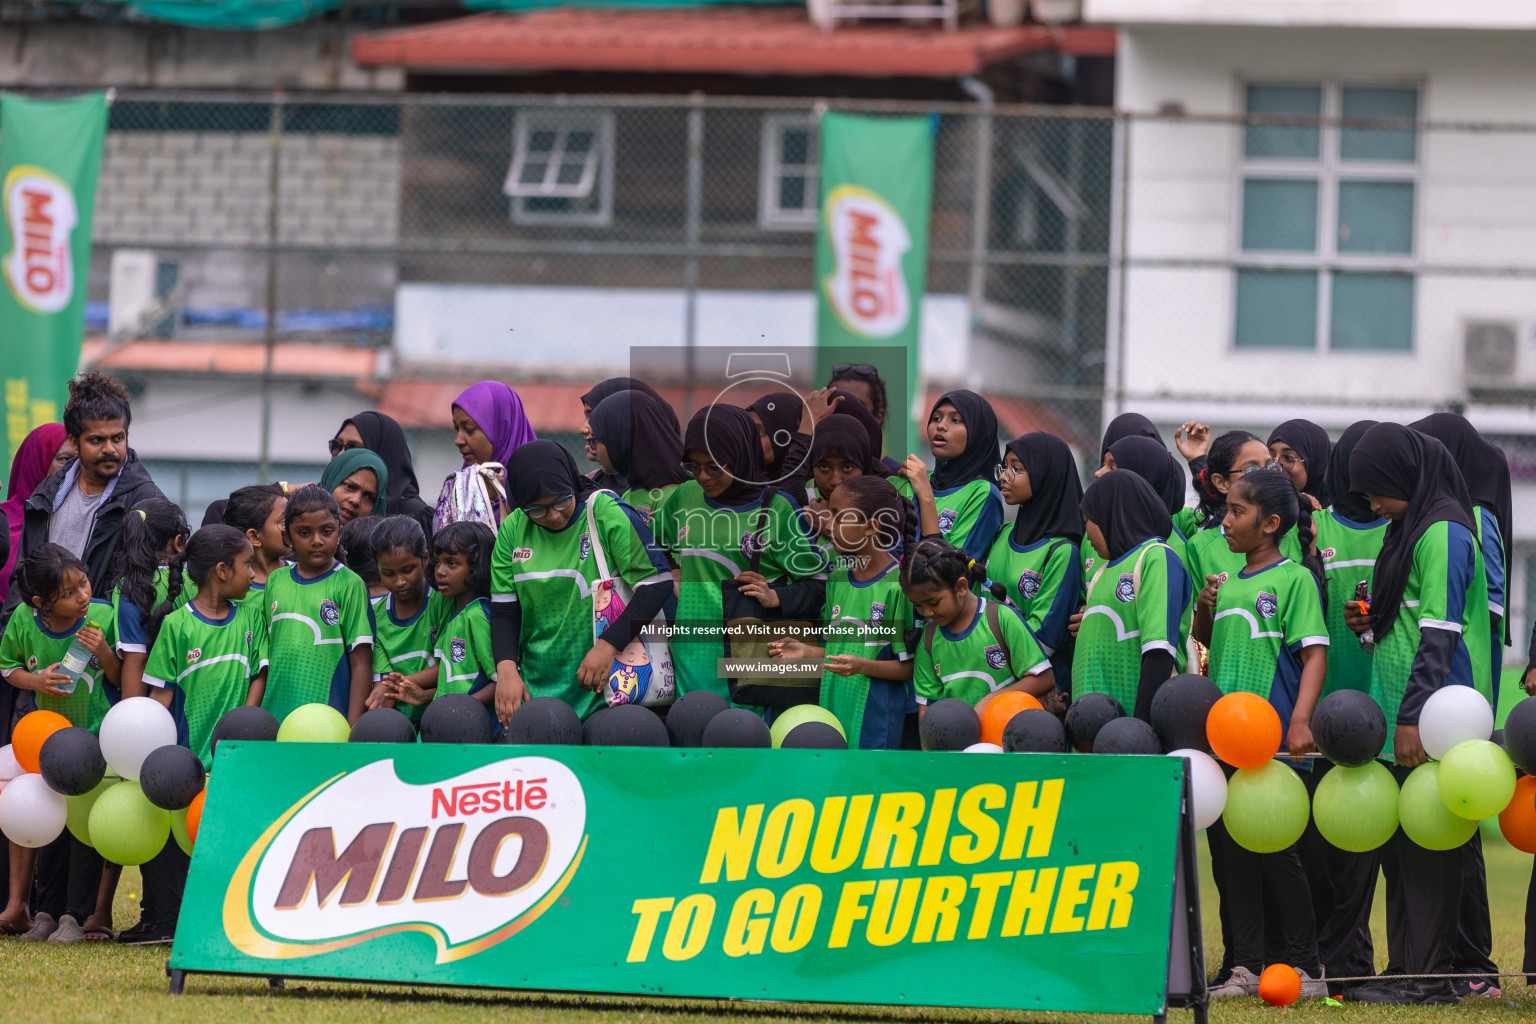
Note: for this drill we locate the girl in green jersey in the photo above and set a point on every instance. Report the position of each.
(868, 663)
(634, 437)
(406, 620)
(146, 571)
(839, 452)
(1231, 455)
(968, 507)
(1156, 465)
(461, 572)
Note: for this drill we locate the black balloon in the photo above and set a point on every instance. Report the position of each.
(1349, 728)
(544, 720)
(949, 724)
(1126, 736)
(594, 722)
(71, 762)
(1179, 710)
(1087, 716)
(687, 717)
(1519, 735)
(383, 725)
(245, 723)
(171, 776)
(456, 718)
(813, 736)
(630, 725)
(1034, 731)
(737, 727)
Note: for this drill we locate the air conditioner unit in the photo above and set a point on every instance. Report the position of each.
(1499, 355)
(140, 295)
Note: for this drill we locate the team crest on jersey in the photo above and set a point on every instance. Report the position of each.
(458, 650)
(94, 664)
(524, 554)
(995, 656)
(644, 513)
(947, 517)
(1267, 605)
(329, 613)
(1125, 588)
(1029, 584)
(752, 544)
(193, 655)
(876, 614)
(586, 546)
(1328, 554)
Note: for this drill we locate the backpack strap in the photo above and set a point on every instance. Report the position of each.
(755, 563)
(928, 629)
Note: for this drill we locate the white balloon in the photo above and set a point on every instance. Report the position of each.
(1452, 715)
(133, 729)
(983, 748)
(31, 814)
(1207, 783)
(10, 768)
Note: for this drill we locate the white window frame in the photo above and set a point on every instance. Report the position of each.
(770, 214)
(1328, 170)
(597, 172)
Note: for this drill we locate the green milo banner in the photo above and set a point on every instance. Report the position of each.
(841, 876)
(50, 155)
(872, 250)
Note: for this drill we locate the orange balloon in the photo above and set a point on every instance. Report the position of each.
(30, 733)
(195, 816)
(1000, 712)
(1518, 820)
(1244, 730)
(1279, 985)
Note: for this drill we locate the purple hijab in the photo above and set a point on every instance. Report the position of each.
(498, 412)
(28, 469)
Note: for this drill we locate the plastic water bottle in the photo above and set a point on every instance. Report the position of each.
(77, 661)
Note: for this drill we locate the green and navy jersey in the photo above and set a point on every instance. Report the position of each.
(1263, 621)
(712, 543)
(1127, 617)
(971, 663)
(132, 626)
(208, 665)
(28, 644)
(406, 645)
(1492, 543)
(1446, 590)
(1348, 550)
(645, 501)
(872, 711)
(1043, 581)
(465, 663)
(552, 575)
(969, 515)
(1187, 521)
(1091, 561)
(314, 622)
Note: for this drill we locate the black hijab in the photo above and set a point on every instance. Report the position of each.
(1399, 462)
(1129, 424)
(780, 412)
(728, 436)
(541, 468)
(641, 436)
(1314, 446)
(1486, 472)
(1056, 492)
(613, 385)
(383, 436)
(844, 437)
(1154, 464)
(1126, 510)
(851, 406)
(1346, 502)
(979, 460)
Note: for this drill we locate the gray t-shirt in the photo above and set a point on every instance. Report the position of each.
(73, 520)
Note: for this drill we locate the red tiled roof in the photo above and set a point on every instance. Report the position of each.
(717, 40)
(290, 359)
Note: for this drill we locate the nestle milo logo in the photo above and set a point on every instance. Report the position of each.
(41, 215)
(866, 288)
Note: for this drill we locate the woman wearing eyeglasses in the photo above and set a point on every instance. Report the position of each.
(710, 527)
(381, 435)
(556, 630)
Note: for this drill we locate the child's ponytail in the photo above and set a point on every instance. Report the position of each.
(1306, 533)
(175, 584)
(936, 562)
(148, 529)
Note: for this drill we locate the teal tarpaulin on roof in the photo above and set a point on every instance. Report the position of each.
(259, 14)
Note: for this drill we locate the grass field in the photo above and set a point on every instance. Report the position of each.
(78, 985)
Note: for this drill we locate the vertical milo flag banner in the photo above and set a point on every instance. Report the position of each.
(872, 251)
(50, 155)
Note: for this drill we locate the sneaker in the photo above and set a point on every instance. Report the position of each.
(1477, 988)
(1314, 988)
(1403, 992)
(129, 936)
(1243, 982)
(68, 931)
(43, 925)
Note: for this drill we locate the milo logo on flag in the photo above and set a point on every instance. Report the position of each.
(41, 215)
(468, 862)
(866, 288)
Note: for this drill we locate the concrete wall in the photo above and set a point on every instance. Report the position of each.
(1485, 14)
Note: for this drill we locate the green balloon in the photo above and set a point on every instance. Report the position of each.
(179, 831)
(77, 810)
(1356, 808)
(314, 723)
(1266, 808)
(1477, 779)
(1424, 817)
(799, 715)
(126, 828)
